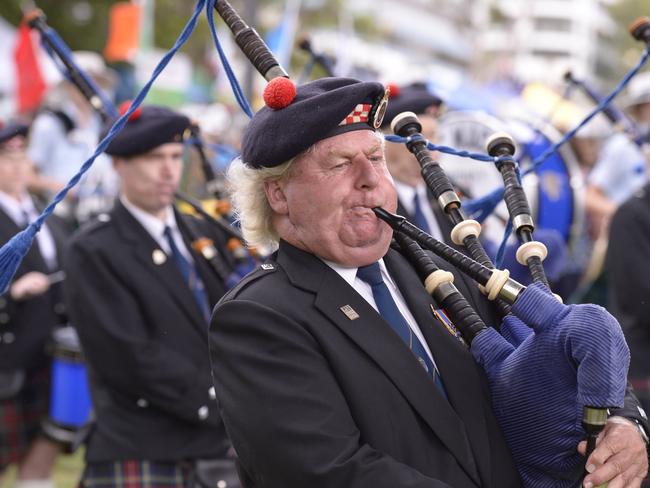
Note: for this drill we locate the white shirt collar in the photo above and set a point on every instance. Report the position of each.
(152, 224)
(350, 274)
(17, 209)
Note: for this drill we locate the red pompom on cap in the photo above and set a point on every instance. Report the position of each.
(393, 89)
(125, 106)
(279, 93)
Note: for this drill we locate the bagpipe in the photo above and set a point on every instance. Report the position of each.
(616, 117)
(640, 31)
(555, 194)
(62, 56)
(553, 369)
(575, 357)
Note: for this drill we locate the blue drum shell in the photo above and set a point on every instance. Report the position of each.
(70, 403)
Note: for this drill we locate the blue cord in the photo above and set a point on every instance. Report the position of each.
(13, 251)
(239, 94)
(442, 149)
(67, 56)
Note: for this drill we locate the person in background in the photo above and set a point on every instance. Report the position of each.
(64, 135)
(29, 311)
(140, 296)
(620, 170)
(626, 265)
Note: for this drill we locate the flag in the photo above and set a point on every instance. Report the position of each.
(30, 84)
(123, 32)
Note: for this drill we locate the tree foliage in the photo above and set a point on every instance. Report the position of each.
(625, 12)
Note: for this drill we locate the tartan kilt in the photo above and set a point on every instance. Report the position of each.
(21, 416)
(136, 474)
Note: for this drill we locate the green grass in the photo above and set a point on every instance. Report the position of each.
(66, 471)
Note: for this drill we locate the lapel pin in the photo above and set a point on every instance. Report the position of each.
(158, 256)
(349, 312)
(267, 267)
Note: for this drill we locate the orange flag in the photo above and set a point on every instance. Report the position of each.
(123, 32)
(30, 84)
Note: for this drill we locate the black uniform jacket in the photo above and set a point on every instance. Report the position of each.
(628, 272)
(145, 342)
(25, 325)
(316, 390)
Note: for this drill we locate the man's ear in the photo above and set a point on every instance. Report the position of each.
(276, 197)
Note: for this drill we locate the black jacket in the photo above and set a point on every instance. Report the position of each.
(145, 341)
(628, 274)
(312, 397)
(26, 325)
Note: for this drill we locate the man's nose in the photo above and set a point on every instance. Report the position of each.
(168, 165)
(367, 173)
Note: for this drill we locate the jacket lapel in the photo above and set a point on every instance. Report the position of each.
(457, 367)
(381, 343)
(158, 264)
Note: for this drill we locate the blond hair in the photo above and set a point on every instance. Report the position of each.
(246, 186)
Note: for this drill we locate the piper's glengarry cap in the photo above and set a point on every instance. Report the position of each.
(148, 127)
(322, 108)
(11, 130)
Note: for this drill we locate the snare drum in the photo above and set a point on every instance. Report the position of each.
(70, 406)
(554, 190)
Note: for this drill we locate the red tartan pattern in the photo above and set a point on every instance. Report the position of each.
(21, 416)
(136, 474)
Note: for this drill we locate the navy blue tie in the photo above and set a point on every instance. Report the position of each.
(371, 274)
(190, 274)
(418, 215)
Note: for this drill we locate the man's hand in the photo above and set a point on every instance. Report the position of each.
(620, 458)
(29, 285)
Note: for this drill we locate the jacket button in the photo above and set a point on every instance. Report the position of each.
(203, 412)
(142, 403)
